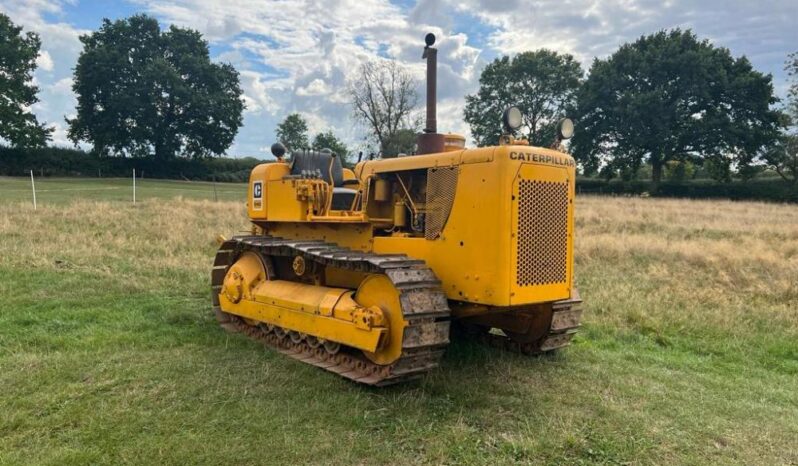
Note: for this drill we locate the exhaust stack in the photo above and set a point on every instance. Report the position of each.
(430, 141)
(431, 54)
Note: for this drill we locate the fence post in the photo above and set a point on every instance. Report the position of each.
(215, 197)
(134, 185)
(33, 188)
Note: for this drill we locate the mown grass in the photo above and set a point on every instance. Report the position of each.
(109, 353)
(65, 190)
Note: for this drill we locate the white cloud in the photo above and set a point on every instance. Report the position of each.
(62, 86)
(59, 135)
(314, 88)
(764, 31)
(299, 55)
(257, 92)
(44, 62)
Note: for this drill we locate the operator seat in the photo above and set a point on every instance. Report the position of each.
(316, 164)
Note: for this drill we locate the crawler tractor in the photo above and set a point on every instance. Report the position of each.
(362, 271)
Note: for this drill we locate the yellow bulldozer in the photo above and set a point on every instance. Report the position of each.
(363, 271)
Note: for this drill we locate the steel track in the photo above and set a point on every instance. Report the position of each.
(423, 302)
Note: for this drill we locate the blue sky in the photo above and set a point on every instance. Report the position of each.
(298, 55)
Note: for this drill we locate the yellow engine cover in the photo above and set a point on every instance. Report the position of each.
(508, 239)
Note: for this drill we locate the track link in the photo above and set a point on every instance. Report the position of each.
(424, 307)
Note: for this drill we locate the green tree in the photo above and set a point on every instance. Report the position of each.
(670, 96)
(401, 142)
(327, 140)
(678, 170)
(542, 84)
(782, 156)
(145, 92)
(718, 168)
(293, 132)
(18, 54)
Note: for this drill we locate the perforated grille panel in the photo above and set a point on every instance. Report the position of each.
(542, 232)
(441, 186)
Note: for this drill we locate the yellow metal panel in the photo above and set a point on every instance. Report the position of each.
(259, 178)
(296, 306)
(480, 155)
(328, 328)
(351, 235)
(295, 296)
(285, 206)
(443, 159)
(541, 257)
(471, 254)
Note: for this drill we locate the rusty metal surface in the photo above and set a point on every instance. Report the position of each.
(423, 303)
(557, 331)
(430, 143)
(431, 55)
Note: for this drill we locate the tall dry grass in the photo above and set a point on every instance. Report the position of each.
(667, 262)
(144, 245)
(640, 261)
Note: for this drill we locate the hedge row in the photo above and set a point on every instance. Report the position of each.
(56, 161)
(765, 189)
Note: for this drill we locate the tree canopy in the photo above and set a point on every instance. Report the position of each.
(292, 132)
(670, 96)
(541, 83)
(401, 142)
(384, 98)
(18, 53)
(792, 72)
(142, 91)
(328, 140)
(782, 156)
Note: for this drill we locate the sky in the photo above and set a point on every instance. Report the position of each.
(299, 55)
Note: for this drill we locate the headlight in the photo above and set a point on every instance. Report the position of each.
(566, 128)
(512, 118)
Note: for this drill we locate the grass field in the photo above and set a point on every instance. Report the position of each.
(65, 190)
(109, 353)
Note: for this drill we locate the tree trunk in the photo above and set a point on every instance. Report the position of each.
(656, 175)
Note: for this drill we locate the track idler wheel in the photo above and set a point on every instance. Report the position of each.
(377, 290)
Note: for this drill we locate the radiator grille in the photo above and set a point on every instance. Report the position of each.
(542, 232)
(441, 185)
